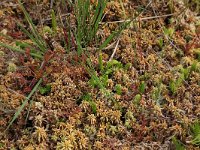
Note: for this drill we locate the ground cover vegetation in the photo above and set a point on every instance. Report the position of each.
(99, 74)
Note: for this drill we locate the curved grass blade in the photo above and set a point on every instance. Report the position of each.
(23, 104)
(20, 50)
(32, 26)
(35, 40)
(97, 18)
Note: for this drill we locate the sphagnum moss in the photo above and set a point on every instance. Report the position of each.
(142, 117)
(40, 134)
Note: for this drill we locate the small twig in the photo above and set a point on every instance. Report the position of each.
(111, 46)
(114, 51)
(141, 19)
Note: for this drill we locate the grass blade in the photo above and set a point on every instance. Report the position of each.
(97, 17)
(35, 40)
(20, 50)
(54, 23)
(23, 104)
(32, 26)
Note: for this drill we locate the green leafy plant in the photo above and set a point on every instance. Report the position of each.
(160, 42)
(118, 89)
(168, 31)
(194, 66)
(88, 98)
(195, 129)
(137, 99)
(95, 80)
(172, 86)
(185, 73)
(113, 63)
(45, 89)
(105, 72)
(142, 87)
(127, 66)
(175, 84)
(178, 144)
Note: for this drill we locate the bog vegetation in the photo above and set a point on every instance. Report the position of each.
(99, 74)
